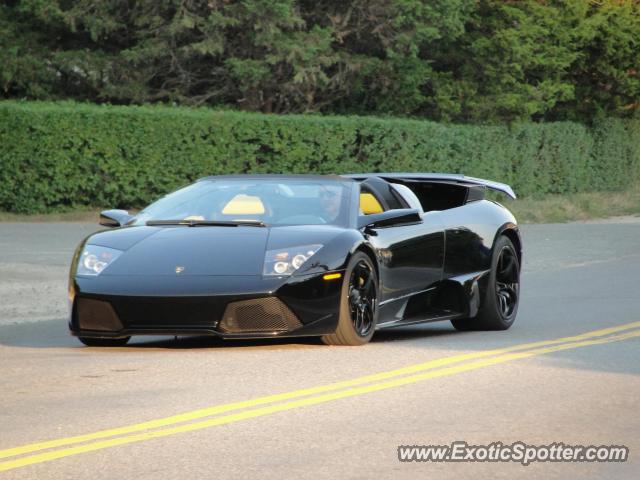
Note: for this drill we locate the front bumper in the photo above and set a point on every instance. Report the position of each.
(229, 307)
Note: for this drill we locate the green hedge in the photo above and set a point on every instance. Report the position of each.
(55, 156)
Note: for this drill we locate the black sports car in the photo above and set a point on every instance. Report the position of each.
(252, 256)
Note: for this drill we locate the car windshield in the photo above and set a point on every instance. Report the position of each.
(265, 201)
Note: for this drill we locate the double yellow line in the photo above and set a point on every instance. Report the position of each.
(258, 407)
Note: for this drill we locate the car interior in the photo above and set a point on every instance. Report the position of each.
(419, 195)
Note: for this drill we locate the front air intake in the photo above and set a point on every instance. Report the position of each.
(258, 315)
(98, 315)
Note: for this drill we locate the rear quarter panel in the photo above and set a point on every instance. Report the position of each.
(470, 233)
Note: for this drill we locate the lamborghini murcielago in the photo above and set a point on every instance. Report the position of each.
(261, 256)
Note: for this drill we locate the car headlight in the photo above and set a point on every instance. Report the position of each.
(94, 259)
(285, 261)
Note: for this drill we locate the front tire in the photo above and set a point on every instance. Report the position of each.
(502, 296)
(104, 342)
(358, 304)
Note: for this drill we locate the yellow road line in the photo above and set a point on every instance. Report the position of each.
(218, 409)
(262, 411)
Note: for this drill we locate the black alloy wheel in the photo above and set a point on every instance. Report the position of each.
(501, 296)
(358, 312)
(362, 298)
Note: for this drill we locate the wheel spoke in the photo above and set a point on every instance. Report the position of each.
(507, 265)
(506, 286)
(368, 284)
(366, 317)
(505, 306)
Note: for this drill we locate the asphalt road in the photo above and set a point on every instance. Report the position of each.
(450, 386)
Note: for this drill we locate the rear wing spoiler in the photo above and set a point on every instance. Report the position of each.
(438, 177)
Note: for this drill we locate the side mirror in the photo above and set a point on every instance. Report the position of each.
(390, 218)
(114, 218)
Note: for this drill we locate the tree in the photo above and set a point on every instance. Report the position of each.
(451, 60)
(606, 74)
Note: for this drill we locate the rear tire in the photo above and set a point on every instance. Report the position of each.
(104, 342)
(358, 304)
(500, 304)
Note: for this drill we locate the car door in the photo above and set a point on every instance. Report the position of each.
(411, 256)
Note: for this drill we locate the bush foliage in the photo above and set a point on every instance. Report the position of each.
(63, 155)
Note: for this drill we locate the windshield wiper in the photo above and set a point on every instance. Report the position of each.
(208, 223)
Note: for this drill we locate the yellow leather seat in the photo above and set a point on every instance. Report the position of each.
(244, 205)
(369, 204)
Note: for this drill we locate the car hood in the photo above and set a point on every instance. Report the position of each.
(209, 250)
(186, 250)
